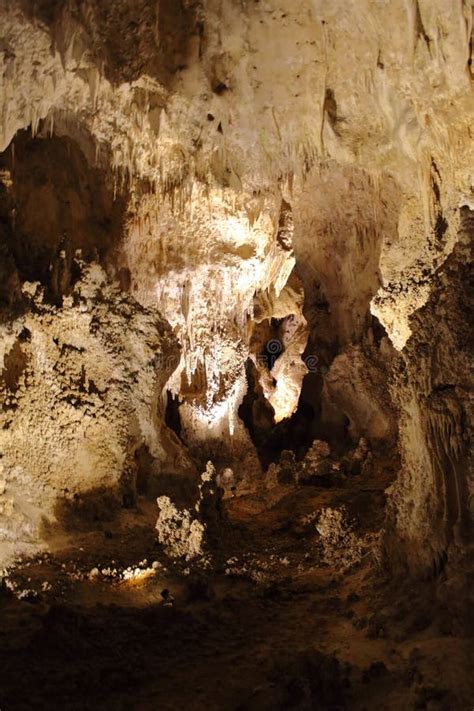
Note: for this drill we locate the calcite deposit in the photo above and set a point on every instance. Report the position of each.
(233, 172)
(236, 237)
(80, 387)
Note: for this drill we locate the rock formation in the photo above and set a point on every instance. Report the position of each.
(238, 233)
(80, 389)
(229, 171)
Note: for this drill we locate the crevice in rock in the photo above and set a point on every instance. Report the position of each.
(172, 416)
(331, 111)
(420, 28)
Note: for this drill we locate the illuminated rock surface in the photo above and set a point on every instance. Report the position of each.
(240, 233)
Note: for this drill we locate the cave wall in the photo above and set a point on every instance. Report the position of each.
(249, 139)
(432, 499)
(80, 385)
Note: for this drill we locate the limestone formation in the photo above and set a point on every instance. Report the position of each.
(232, 171)
(70, 418)
(236, 238)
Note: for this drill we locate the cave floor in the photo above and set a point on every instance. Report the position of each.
(267, 625)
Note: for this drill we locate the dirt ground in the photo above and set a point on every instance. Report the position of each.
(273, 622)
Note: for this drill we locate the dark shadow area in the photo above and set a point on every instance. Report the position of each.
(84, 512)
(270, 439)
(110, 657)
(53, 207)
(180, 488)
(172, 416)
(128, 39)
(144, 462)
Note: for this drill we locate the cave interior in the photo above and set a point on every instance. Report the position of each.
(236, 355)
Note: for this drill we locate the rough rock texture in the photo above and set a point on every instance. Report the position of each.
(278, 341)
(70, 422)
(190, 533)
(433, 497)
(355, 388)
(248, 141)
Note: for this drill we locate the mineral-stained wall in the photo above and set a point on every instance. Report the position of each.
(252, 144)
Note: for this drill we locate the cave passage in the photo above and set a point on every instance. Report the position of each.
(236, 352)
(55, 211)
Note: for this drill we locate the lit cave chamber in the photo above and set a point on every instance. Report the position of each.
(236, 355)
